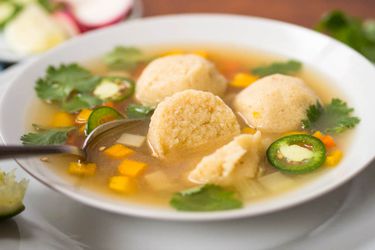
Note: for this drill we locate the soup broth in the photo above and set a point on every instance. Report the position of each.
(172, 172)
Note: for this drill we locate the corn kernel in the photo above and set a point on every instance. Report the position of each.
(78, 168)
(248, 130)
(256, 115)
(200, 53)
(318, 135)
(83, 116)
(123, 184)
(118, 151)
(62, 119)
(242, 80)
(334, 158)
(131, 168)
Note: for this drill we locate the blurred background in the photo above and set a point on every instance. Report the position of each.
(30, 27)
(302, 12)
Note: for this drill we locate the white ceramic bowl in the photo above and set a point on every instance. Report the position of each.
(350, 72)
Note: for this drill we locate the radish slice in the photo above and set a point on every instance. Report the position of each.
(92, 14)
(67, 22)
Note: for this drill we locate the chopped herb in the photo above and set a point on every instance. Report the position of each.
(68, 86)
(138, 111)
(333, 118)
(60, 82)
(126, 58)
(206, 198)
(43, 136)
(288, 67)
(81, 101)
(352, 31)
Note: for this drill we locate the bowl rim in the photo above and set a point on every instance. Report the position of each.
(175, 215)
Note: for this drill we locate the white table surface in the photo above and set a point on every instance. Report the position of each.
(342, 219)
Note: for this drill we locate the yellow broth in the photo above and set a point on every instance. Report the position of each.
(229, 60)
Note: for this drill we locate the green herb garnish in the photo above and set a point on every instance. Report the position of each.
(43, 136)
(59, 83)
(126, 58)
(81, 101)
(289, 67)
(350, 30)
(206, 198)
(332, 118)
(138, 111)
(70, 86)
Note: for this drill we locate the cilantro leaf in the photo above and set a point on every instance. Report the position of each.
(81, 101)
(333, 118)
(350, 30)
(313, 113)
(59, 83)
(288, 67)
(126, 58)
(69, 86)
(54, 136)
(206, 198)
(51, 91)
(138, 111)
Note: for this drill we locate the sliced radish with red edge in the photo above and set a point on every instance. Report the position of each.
(93, 14)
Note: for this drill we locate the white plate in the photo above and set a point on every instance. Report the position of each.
(345, 214)
(350, 72)
(10, 56)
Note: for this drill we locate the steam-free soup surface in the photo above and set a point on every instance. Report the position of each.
(171, 172)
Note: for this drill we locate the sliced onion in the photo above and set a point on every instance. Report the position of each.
(132, 140)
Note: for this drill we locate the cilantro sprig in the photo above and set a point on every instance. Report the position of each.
(205, 198)
(289, 67)
(124, 58)
(333, 118)
(356, 33)
(44, 136)
(81, 101)
(69, 86)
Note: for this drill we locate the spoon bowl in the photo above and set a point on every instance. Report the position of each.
(109, 129)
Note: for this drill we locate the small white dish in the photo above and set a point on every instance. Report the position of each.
(350, 72)
(10, 56)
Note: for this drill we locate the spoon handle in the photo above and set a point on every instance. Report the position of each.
(24, 151)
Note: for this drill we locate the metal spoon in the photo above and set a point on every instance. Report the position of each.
(112, 128)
